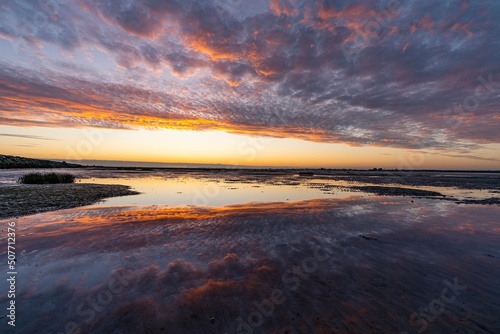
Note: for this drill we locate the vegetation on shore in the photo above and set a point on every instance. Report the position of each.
(10, 162)
(46, 178)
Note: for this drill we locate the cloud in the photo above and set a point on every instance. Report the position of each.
(390, 73)
(26, 145)
(25, 136)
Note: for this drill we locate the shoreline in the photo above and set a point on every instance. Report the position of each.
(22, 200)
(25, 200)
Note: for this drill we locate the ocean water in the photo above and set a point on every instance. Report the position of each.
(232, 253)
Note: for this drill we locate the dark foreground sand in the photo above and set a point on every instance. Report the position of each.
(356, 265)
(22, 200)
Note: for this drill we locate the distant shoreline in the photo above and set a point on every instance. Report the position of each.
(16, 162)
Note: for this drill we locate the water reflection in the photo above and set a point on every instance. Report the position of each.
(219, 188)
(351, 265)
(189, 190)
(222, 187)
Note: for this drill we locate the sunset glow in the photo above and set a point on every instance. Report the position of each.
(334, 84)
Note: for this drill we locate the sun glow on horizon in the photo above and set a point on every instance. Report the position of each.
(218, 147)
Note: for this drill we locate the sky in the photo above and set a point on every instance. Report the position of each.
(295, 83)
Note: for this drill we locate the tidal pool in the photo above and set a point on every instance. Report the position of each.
(200, 190)
(298, 257)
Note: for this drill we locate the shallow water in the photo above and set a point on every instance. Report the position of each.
(189, 190)
(219, 188)
(240, 263)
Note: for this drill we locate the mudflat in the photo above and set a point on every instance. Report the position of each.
(22, 200)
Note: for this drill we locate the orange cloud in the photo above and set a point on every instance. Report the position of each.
(463, 27)
(427, 23)
(355, 12)
(280, 7)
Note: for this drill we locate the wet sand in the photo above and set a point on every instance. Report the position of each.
(365, 263)
(21, 200)
(25, 200)
(358, 265)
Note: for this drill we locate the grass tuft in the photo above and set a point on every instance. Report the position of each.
(46, 178)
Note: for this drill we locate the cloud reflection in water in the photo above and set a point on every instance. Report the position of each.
(208, 270)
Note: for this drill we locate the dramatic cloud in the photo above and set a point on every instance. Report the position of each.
(413, 74)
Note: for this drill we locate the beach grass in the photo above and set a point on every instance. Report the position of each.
(46, 178)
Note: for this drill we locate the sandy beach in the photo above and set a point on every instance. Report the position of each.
(22, 200)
